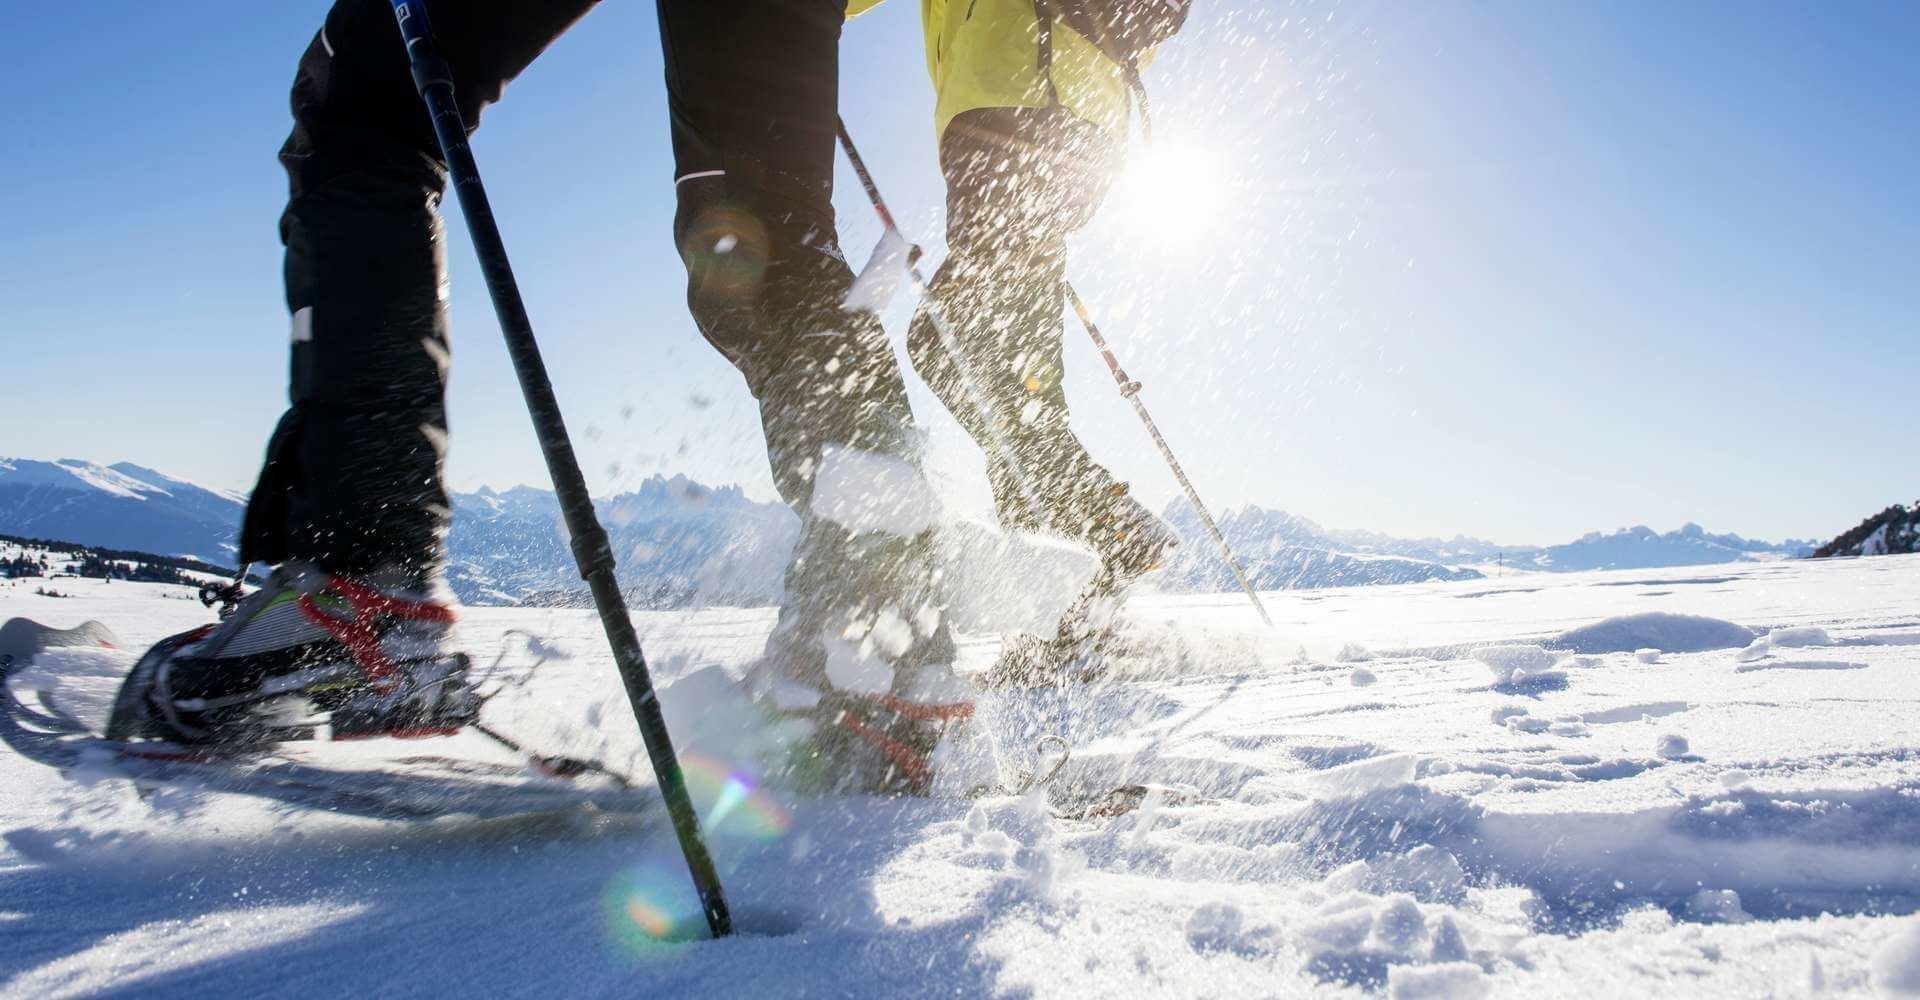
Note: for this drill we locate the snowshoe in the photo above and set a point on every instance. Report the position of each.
(854, 742)
(61, 689)
(1075, 653)
(365, 658)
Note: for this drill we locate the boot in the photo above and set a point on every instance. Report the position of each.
(372, 655)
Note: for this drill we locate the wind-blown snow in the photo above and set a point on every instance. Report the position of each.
(84, 679)
(1668, 828)
(864, 491)
(879, 281)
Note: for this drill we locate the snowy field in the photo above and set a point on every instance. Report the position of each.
(1398, 792)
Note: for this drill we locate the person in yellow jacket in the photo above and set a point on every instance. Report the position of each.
(1032, 119)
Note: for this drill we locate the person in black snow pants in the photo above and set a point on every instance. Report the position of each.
(351, 508)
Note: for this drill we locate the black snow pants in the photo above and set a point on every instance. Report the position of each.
(353, 479)
(1019, 181)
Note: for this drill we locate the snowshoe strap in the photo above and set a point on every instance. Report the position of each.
(357, 633)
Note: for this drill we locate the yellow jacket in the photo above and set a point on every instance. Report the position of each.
(985, 54)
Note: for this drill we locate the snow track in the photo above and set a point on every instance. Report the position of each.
(1701, 784)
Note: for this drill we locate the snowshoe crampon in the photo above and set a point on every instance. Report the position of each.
(1122, 800)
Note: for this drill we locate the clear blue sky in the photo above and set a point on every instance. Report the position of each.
(1506, 269)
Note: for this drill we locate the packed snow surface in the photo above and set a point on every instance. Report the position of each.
(1540, 785)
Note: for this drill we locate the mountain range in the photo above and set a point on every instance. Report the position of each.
(681, 543)
(120, 506)
(1893, 531)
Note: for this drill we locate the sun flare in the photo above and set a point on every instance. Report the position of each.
(1175, 194)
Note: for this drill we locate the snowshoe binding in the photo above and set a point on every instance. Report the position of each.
(363, 657)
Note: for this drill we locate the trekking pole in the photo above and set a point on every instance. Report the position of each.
(591, 552)
(1131, 390)
(947, 340)
(1128, 387)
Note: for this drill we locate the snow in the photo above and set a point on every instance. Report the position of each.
(160, 481)
(879, 281)
(69, 472)
(1442, 981)
(1686, 827)
(857, 664)
(1660, 631)
(983, 596)
(1717, 906)
(1789, 638)
(1518, 666)
(1896, 963)
(86, 679)
(864, 491)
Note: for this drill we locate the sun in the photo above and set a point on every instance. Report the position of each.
(1175, 194)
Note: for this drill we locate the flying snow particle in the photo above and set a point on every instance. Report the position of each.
(1717, 906)
(863, 491)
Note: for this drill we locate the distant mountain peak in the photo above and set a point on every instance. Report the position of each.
(123, 506)
(1893, 531)
(1260, 534)
(681, 541)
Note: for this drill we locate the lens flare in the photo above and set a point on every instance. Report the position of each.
(725, 248)
(646, 908)
(652, 904)
(731, 801)
(649, 918)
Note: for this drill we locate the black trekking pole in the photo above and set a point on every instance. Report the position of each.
(591, 552)
(1131, 390)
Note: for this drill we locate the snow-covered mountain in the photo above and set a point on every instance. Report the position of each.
(1641, 547)
(681, 543)
(1282, 551)
(1890, 532)
(1626, 548)
(678, 543)
(119, 506)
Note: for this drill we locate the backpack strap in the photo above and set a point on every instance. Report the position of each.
(1077, 17)
(1043, 16)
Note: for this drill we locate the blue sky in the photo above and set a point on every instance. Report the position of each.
(1512, 270)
